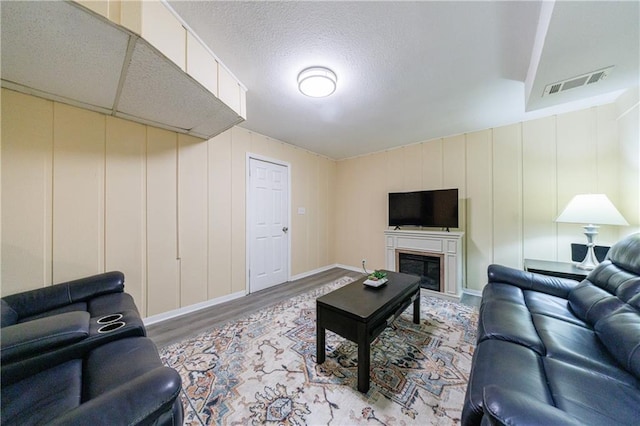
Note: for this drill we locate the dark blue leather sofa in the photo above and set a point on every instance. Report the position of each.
(554, 351)
(76, 353)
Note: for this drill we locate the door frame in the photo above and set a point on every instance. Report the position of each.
(250, 156)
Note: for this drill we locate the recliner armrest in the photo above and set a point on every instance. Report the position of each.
(33, 302)
(554, 286)
(138, 401)
(502, 407)
(24, 340)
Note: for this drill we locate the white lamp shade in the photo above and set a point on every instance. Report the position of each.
(317, 82)
(595, 209)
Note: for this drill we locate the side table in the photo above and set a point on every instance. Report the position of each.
(555, 269)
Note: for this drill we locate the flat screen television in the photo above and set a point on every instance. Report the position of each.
(436, 208)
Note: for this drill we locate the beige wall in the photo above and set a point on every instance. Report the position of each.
(513, 182)
(84, 192)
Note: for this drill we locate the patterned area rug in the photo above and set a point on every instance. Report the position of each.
(262, 369)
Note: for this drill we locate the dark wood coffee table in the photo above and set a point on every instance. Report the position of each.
(360, 313)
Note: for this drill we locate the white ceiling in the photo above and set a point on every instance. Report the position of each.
(414, 71)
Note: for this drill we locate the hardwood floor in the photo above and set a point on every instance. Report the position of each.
(176, 329)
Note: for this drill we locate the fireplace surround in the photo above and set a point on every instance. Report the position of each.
(445, 246)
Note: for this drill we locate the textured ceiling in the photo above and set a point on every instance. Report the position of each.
(407, 71)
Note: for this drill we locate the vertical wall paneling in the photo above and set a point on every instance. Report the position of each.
(345, 214)
(608, 170)
(373, 209)
(507, 195)
(628, 126)
(331, 218)
(454, 172)
(412, 167)
(312, 212)
(220, 215)
(163, 292)
(394, 162)
(539, 188)
(240, 144)
(78, 192)
(479, 206)
(359, 202)
(323, 228)
(432, 164)
(300, 178)
(193, 219)
(575, 144)
(125, 205)
(27, 143)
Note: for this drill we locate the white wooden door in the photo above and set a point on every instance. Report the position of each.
(267, 210)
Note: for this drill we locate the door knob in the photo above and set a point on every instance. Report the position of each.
(285, 229)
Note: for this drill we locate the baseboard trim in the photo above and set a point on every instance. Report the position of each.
(313, 272)
(198, 306)
(472, 292)
(191, 308)
(350, 268)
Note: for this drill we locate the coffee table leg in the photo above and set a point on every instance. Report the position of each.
(416, 309)
(364, 359)
(320, 341)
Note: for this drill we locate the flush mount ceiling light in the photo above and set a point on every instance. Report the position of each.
(317, 82)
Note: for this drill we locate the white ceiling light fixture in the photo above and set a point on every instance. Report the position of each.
(317, 82)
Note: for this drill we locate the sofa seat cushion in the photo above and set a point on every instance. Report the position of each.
(105, 369)
(39, 398)
(579, 346)
(591, 397)
(507, 365)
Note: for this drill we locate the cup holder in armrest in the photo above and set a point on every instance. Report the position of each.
(112, 326)
(109, 318)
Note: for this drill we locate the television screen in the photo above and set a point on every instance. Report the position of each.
(436, 208)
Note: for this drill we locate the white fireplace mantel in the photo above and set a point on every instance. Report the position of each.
(447, 244)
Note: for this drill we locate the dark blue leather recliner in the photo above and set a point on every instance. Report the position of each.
(76, 353)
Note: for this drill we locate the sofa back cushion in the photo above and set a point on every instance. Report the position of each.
(38, 302)
(626, 253)
(613, 284)
(605, 290)
(8, 316)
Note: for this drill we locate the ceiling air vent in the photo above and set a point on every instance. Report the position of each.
(579, 81)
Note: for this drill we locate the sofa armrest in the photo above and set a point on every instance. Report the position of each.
(44, 299)
(554, 286)
(20, 341)
(507, 407)
(138, 401)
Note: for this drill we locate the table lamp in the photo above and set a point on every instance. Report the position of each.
(594, 209)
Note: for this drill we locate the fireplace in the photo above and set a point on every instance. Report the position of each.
(428, 266)
(444, 252)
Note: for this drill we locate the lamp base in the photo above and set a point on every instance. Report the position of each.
(590, 260)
